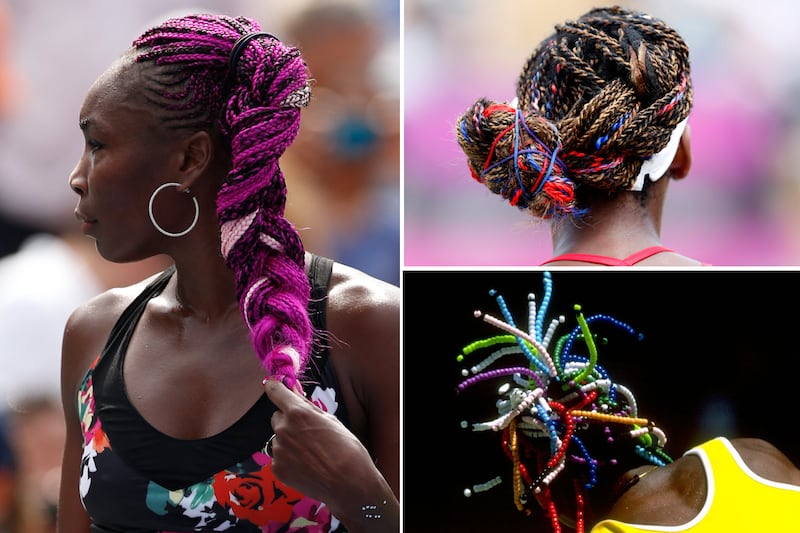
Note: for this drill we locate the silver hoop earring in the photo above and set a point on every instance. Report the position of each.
(153, 218)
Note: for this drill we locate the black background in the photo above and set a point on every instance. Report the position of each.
(720, 356)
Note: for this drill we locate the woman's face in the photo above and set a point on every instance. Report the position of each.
(126, 156)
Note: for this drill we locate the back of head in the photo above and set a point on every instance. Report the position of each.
(595, 101)
(245, 87)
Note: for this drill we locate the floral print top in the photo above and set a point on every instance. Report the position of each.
(136, 479)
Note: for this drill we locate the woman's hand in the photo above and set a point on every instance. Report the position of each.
(314, 453)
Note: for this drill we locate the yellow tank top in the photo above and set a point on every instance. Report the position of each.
(738, 499)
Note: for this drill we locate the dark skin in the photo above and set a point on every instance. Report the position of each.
(618, 225)
(674, 494)
(191, 349)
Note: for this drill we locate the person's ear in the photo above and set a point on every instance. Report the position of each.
(682, 162)
(196, 156)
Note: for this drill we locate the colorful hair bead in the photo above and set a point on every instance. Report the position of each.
(571, 418)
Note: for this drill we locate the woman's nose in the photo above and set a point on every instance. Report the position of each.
(77, 180)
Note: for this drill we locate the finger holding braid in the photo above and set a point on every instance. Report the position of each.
(310, 450)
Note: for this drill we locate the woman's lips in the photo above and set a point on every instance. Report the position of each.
(86, 222)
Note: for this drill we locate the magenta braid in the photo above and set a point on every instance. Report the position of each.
(254, 102)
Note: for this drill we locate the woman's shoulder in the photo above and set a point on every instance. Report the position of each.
(108, 305)
(362, 312)
(667, 496)
(354, 290)
(766, 460)
(89, 324)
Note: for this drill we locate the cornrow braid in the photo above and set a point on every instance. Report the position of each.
(560, 415)
(612, 87)
(253, 102)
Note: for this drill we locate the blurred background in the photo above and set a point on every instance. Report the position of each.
(737, 206)
(343, 176)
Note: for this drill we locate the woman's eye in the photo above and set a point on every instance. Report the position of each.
(94, 145)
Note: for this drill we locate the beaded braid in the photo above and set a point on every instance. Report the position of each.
(594, 101)
(253, 101)
(560, 415)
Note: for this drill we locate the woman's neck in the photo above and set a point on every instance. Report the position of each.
(617, 236)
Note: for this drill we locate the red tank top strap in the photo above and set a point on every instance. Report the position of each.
(586, 258)
(611, 261)
(644, 254)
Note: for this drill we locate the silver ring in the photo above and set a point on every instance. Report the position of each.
(269, 445)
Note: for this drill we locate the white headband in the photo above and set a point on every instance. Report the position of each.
(657, 164)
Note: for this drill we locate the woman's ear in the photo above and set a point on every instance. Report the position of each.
(682, 162)
(196, 157)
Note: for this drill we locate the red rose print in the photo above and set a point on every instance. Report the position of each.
(256, 497)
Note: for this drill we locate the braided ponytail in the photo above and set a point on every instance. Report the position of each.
(253, 99)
